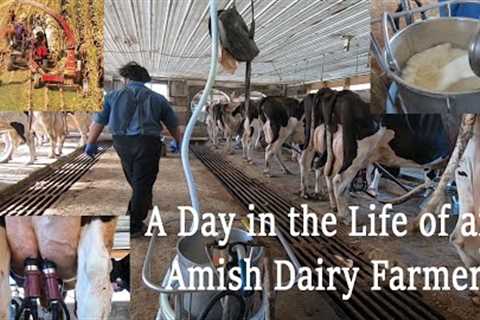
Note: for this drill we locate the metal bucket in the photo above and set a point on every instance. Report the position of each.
(191, 253)
(416, 38)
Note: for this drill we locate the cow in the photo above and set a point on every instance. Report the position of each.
(76, 251)
(54, 125)
(313, 105)
(467, 178)
(358, 139)
(14, 129)
(82, 121)
(283, 120)
(213, 129)
(252, 129)
(228, 118)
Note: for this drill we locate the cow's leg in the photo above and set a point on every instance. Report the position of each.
(343, 179)
(61, 141)
(53, 144)
(228, 144)
(30, 141)
(246, 140)
(464, 178)
(5, 294)
(252, 138)
(277, 147)
(373, 183)
(305, 164)
(258, 135)
(94, 290)
(284, 133)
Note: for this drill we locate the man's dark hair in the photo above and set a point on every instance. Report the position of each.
(135, 72)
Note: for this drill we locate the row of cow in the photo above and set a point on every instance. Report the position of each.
(38, 127)
(336, 133)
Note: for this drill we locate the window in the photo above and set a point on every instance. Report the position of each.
(161, 88)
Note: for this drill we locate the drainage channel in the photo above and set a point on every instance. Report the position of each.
(364, 304)
(37, 196)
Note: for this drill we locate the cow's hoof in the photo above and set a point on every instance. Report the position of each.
(476, 300)
(250, 161)
(320, 197)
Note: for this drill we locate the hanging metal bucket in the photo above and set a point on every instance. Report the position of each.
(401, 45)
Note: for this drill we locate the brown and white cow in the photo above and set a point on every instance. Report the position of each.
(54, 126)
(283, 120)
(14, 130)
(79, 247)
(468, 186)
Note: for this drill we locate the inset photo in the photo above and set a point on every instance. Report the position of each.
(425, 56)
(64, 268)
(51, 55)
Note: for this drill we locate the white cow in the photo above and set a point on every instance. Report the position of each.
(468, 185)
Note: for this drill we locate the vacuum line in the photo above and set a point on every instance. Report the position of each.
(198, 109)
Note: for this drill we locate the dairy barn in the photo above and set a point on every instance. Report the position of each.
(268, 157)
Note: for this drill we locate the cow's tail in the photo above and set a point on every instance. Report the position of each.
(261, 113)
(328, 104)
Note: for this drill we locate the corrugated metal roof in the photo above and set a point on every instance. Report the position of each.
(300, 40)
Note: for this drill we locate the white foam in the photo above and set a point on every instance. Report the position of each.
(441, 68)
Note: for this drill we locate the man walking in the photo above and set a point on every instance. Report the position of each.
(135, 115)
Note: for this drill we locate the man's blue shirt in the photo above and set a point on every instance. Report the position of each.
(136, 110)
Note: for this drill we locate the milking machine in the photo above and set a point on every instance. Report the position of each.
(399, 45)
(198, 251)
(40, 277)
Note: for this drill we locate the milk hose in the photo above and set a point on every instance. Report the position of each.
(192, 190)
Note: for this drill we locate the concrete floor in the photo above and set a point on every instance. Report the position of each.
(170, 192)
(414, 249)
(17, 169)
(101, 191)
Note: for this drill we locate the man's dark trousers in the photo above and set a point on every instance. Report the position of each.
(140, 156)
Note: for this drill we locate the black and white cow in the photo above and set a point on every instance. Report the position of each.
(357, 139)
(283, 119)
(228, 118)
(252, 129)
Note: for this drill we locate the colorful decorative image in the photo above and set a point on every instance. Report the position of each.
(51, 55)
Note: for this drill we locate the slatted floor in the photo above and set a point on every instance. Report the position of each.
(39, 195)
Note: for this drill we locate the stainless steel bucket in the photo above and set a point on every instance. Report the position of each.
(191, 253)
(416, 38)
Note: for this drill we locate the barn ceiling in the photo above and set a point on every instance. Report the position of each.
(299, 40)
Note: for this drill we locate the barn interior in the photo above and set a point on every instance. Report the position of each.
(304, 46)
